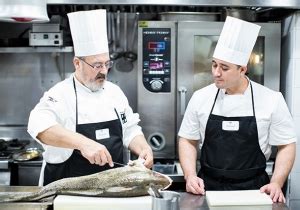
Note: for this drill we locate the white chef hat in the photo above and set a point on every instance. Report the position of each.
(89, 32)
(236, 41)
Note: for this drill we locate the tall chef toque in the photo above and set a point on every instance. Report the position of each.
(89, 32)
(236, 41)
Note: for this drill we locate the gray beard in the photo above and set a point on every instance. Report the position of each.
(94, 87)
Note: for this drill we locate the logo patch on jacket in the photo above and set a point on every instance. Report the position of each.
(123, 117)
(51, 99)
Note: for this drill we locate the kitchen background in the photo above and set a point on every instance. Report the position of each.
(30, 65)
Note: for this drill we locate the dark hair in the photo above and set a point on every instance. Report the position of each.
(239, 66)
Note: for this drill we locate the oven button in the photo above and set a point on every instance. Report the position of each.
(156, 85)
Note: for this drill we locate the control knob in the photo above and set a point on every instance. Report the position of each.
(156, 85)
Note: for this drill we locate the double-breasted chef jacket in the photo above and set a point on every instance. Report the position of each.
(58, 106)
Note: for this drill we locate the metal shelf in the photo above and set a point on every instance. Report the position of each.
(35, 49)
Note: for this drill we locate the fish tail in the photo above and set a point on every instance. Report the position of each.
(22, 196)
(16, 196)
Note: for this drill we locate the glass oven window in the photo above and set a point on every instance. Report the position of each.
(256, 61)
(204, 47)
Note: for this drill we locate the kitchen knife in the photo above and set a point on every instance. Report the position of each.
(130, 162)
(120, 164)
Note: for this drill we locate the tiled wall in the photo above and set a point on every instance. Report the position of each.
(290, 83)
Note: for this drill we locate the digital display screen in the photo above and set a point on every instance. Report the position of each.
(156, 65)
(156, 46)
(157, 59)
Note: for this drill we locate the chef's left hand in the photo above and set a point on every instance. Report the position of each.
(147, 155)
(274, 191)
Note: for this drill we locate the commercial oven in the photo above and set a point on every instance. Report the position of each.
(174, 60)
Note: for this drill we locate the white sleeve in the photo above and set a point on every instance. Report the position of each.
(45, 114)
(190, 126)
(282, 128)
(131, 128)
(50, 111)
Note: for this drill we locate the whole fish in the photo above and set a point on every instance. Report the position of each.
(131, 180)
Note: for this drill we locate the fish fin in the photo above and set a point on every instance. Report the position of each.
(137, 163)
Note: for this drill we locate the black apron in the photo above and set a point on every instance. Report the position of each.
(232, 159)
(77, 165)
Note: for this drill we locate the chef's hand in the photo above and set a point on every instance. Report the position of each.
(147, 155)
(274, 191)
(96, 153)
(195, 185)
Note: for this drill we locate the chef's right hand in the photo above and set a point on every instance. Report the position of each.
(195, 185)
(96, 153)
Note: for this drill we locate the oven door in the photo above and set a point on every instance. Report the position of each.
(157, 85)
(196, 44)
(5, 176)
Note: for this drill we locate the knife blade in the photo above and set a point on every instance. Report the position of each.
(120, 164)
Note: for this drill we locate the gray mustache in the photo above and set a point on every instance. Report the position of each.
(100, 76)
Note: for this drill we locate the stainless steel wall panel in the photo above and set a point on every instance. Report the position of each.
(23, 79)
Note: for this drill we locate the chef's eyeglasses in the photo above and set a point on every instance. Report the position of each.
(98, 66)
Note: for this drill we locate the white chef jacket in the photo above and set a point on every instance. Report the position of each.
(58, 106)
(274, 122)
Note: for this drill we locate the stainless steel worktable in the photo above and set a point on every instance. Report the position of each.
(196, 202)
(187, 202)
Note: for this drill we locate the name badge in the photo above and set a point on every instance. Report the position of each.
(102, 134)
(230, 125)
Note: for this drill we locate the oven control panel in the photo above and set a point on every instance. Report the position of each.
(156, 63)
(156, 85)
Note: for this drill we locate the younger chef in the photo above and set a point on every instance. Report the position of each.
(237, 121)
(84, 121)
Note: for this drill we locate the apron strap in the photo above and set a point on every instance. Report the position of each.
(117, 115)
(252, 99)
(76, 101)
(214, 101)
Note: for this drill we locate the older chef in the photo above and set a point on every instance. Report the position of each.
(84, 121)
(236, 120)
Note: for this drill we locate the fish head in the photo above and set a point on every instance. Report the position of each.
(161, 181)
(146, 177)
(157, 179)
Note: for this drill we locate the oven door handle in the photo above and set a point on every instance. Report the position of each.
(182, 92)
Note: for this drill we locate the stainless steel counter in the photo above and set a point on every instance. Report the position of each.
(187, 202)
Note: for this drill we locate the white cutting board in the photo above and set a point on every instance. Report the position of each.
(238, 197)
(66, 202)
